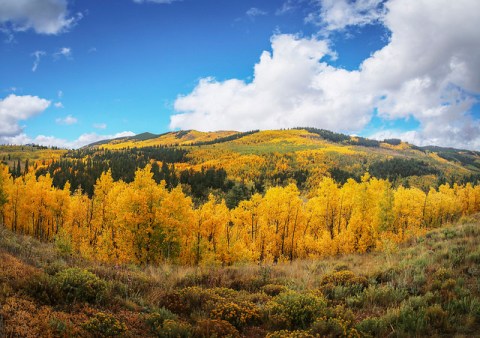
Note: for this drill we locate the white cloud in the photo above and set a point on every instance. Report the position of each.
(100, 125)
(44, 140)
(37, 55)
(428, 69)
(58, 105)
(254, 11)
(338, 14)
(43, 16)
(290, 88)
(14, 109)
(64, 51)
(67, 120)
(60, 94)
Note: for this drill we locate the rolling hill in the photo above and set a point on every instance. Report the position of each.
(244, 155)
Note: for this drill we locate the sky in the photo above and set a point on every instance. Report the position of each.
(73, 72)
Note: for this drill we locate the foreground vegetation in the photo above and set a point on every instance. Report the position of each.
(427, 286)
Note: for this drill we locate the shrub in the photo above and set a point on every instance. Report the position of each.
(237, 314)
(294, 310)
(436, 316)
(290, 334)
(43, 288)
(208, 328)
(156, 319)
(104, 325)
(190, 299)
(58, 327)
(274, 289)
(333, 327)
(376, 327)
(383, 295)
(341, 284)
(174, 329)
(77, 285)
(408, 320)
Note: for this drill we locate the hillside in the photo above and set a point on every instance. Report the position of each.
(309, 152)
(429, 286)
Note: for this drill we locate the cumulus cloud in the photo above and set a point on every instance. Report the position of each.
(43, 16)
(338, 14)
(58, 105)
(14, 109)
(67, 120)
(44, 140)
(428, 70)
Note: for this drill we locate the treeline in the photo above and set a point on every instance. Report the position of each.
(226, 138)
(342, 138)
(143, 222)
(395, 168)
(84, 166)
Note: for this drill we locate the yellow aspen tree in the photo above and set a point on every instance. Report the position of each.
(4, 181)
(282, 216)
(175, 214)
(101, 216)
(408, 210)
(107, 212)
(246, 219)
(360, 224)
(78, 222)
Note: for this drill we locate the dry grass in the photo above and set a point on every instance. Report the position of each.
(430, 285)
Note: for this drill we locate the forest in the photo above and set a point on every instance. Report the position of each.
(143, 222)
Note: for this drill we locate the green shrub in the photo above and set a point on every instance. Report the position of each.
(333, 327)
(375, 327)
(381, 295)
(104, 325)
(59, 327)
(174, 329)
(44, 289)
(408, 320)
(77, 285)
(293, 310)
(156, 319)
(436, 317)
(474, 257)
(177, 329)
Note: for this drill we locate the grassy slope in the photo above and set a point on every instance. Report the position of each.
(430, 286)
(174, 138)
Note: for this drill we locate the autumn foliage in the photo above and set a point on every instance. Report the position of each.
(145, 223)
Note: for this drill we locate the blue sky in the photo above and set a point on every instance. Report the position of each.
(79, 71)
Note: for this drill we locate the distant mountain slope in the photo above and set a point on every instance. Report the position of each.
(305, 153)
(179, 138)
